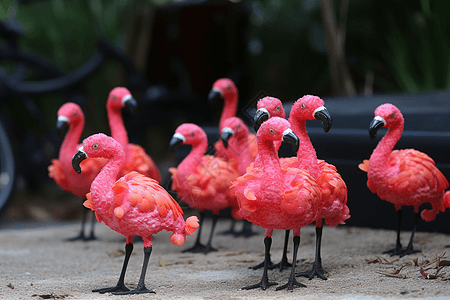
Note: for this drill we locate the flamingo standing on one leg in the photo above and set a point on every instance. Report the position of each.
(225, 89)
(332, 207)
(403, 177)
(136, 158)
(202, 181)
(276, 197)
(134, 205)
(71, 115)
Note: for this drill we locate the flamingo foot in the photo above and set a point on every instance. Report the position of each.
(290, 285)
(316, 270)
(264, 284)
(396, 251)
(138, 290)
(199, 248)
(283, 264)
(261, 265)
(117, 288)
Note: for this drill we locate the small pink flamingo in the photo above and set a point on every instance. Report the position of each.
(225, 89)
(276, 197)
(71, 115)
(234, 137)
(202, 181)
(136, 158)
(403, 177)
(134, 205)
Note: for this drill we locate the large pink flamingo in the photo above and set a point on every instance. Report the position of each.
(134, 205)
(276, 197)
(332, 206)
(403, 177)
(225, 89)
(136, 157)
(202, 181)
(71, 115)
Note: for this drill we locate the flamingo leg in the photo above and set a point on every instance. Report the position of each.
(231, 230)
(264, 284)
(120, 287)
(284, 261)
(292, 281)
(93, 221)
(246, 230)
(198, 247)
(208, 246)
(317, 269)
(81, 235)
(398, 246)
(140, 289)
(410, 249)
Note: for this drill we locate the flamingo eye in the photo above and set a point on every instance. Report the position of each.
(392, 115)
(228, 87)
(95, 146)
(239, 126)
(278, 107)
(191, 133)
(271, 130)
(303, 105)
(114, 97)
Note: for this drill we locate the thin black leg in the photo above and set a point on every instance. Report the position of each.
(292, 281)
(284, 260)
(231, 230)
(410, 249)
(198, 247)
(398, 246)
(317, 269)
(208, 246)
(264, 284)
(81, 236)
(93, 222)
(120, 287)
(140, 289)
(247, 230)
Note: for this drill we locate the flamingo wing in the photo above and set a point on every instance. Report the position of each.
(364, 166)
(137, 190)
(56, 172)
(246, 188)
(417, 173)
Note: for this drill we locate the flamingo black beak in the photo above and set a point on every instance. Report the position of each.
(227, 133)
(130, 104)
(61, 125)
(377, 123)
(77, 159)
(322, 114)
(214, 95)
(290, 137)
(261, 115)
(176, 140)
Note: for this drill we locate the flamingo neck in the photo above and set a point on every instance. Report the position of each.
(229, 109)
(70, 145)
(194, 158)
(117, 127)
(101, 192)
(244, 155)
(379, 162)
(267, 159)
(306, 154)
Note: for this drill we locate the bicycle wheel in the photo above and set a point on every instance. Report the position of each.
(7, 169)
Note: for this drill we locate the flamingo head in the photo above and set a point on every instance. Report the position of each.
(268, 107)
(275, 129)
(386, 115)
(311, 107)
(233, 127)
(121, 97)
(187, 134)
(223, 88)
(96, 146)
(68, 114)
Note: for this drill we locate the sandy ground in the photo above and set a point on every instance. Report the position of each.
(36, 263)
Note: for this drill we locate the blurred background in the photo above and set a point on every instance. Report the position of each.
(354, 54)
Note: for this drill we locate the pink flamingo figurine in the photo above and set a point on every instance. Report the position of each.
(202, 181)
(276, 197)
(234, 137)
(332, 207)
(136, 158)
(134, 205)
(403, 177)
(225, 89)
(71, 115)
